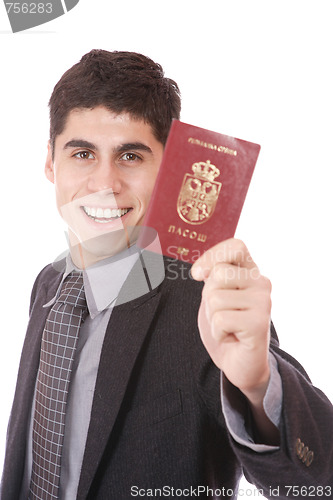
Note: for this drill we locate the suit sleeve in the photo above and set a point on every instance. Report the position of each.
(238, 423)
(303, 465)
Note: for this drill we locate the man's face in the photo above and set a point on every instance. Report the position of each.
(104, 171)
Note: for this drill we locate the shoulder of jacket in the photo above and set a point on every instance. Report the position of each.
(48, 277)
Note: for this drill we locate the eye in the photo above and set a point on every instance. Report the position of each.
(84, 155)
(130, 157)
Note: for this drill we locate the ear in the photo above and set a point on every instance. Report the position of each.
(49, 166)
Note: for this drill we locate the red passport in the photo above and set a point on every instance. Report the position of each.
(199, 192)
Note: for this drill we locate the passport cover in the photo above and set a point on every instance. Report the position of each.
(199, 191)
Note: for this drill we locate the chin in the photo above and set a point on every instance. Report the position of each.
(106, 243)
(110, 243)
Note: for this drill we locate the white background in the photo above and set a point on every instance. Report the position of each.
(257, 70)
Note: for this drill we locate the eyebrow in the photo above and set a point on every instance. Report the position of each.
(80, 143)
(137, 146)
(122, 148)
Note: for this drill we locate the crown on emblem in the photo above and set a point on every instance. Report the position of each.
(205, 170)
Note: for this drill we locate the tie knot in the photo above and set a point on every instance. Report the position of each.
(72, 291)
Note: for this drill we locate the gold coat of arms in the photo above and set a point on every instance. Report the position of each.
(199, 193)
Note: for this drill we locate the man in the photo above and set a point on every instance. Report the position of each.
(141, 388)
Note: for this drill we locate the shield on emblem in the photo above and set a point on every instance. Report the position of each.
(199, 193)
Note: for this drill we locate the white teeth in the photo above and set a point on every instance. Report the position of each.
(106, 213)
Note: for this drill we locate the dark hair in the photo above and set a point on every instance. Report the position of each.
(121, 82)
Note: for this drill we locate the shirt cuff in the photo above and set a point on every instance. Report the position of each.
(235, 408)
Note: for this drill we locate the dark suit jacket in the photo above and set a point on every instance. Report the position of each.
(156, 418)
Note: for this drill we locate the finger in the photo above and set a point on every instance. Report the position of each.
(231, 251)
(226, 323)
(230, 276)
(224, 300)
(242, 325)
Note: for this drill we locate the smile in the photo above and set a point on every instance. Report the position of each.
(104, 215)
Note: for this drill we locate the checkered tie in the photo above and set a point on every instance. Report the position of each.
(56, 359)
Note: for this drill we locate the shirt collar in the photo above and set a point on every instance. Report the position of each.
(102, 281)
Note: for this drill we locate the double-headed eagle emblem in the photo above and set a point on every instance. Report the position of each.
(199, 193)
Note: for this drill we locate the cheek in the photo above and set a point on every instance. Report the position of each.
(142, 187)
(67, 187)
(147, 192)
(62, 193)
(150, 182)
(143, 194)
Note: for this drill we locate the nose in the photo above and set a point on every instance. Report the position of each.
(105, 176)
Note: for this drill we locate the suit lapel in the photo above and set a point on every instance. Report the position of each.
(124, 337)
(21, 409)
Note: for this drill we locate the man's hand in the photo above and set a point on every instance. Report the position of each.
(234, 317)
